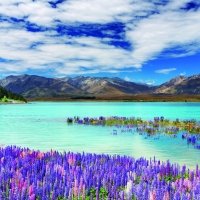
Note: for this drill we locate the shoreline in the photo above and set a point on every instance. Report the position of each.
(112, 101)
(120, 98)
(6, 103)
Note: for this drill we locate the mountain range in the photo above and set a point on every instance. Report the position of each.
(31, 86)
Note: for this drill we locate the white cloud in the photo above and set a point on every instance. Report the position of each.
(147, 81)
(165, 71)
(170, 29)
(171, 32)
(150, 82)
(127, 78)
(88, 52)
(183, 73)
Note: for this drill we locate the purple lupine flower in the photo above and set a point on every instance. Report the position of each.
(61, 175)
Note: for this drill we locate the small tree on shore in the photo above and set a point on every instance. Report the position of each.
(9, 95)
(4, 99)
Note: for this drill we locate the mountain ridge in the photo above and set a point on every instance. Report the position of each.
(31, 86)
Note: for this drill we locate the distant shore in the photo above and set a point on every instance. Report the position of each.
(121, 98)
(8, 103)
(12, 102)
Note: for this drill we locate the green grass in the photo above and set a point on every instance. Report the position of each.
(8, 100)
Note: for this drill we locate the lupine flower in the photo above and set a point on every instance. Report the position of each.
(129, 188)
(26, 174)
(152, 195)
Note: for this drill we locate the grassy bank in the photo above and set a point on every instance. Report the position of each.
(124, 98)
(6, 100)
(6, 96)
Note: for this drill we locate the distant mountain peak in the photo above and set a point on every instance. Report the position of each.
(24, 75)
(175, 81)
(117, 78)
(80, 76)
(181, 85)
(39, 86)
(194, 76)
(65, 79)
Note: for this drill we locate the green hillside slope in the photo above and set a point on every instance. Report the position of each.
(7, 96)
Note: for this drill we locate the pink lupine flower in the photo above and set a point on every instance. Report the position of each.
(158, 176)
(76, 183)
(51, 152)
(70, 160)
(40, 155)
(173, 185)
(2, 159)
(22, 154)
(32, 197)
(190, 186)
(75, 191)
(21, 183)
(24, 185)
(30, 190)
(188, 195)
(83, 192)
(152, 195)
(74, 159)
(166, 196)
(73, 169)
(62, 172)
(81, 183)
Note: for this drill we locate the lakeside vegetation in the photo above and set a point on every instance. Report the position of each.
(132, 122)
(124, 98)
(8, 97)
(159, 126)
(156, 126)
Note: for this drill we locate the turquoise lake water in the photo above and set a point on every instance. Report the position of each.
(42, 126)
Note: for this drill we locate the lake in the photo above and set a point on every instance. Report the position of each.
(42, 126)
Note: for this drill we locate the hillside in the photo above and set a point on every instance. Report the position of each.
(6, 95)
(37, 86)
(180, 85)
(32, 86)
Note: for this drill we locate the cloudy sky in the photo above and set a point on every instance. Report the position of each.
(146, 41)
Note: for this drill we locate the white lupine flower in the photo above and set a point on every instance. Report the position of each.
(129, 188)
(134, 176)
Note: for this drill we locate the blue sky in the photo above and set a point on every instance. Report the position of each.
(149, 41)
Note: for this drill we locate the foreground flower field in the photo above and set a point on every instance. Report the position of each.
(29, 174)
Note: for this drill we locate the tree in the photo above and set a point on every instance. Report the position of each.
(8, 94)
(4, 99)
